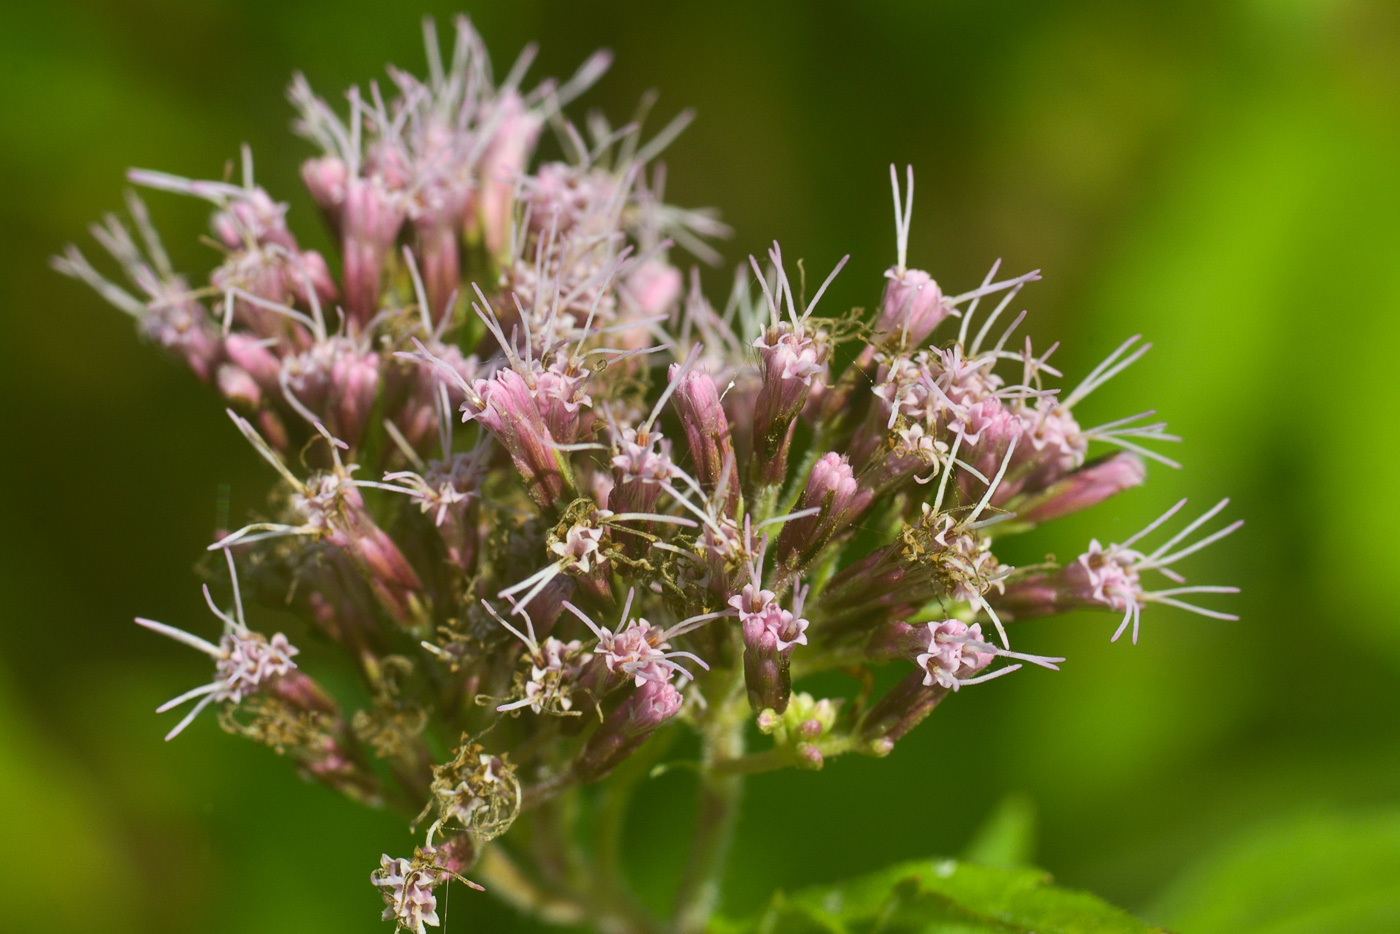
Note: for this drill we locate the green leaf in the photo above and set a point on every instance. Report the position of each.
(940, 897)
(1007, 837)
(1317, 872)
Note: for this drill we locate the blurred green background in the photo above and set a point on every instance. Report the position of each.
(1222, 176)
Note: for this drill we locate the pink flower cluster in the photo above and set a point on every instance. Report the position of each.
(501, 412)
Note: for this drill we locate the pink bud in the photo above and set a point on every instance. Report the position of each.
(561, 394)
(310, 269)
(505, 406)
(902, 709)
(413, 388)
(988, 430)
(237, 386)
(370, 222)
(337, 505)
(386, 160)
(768, 721)
(910, 310)
(354, 380)
(226, 231)
(655, 287)
(255, 358)
(517, 129)
(1030, 597)
(1054, 445)
(271, 426)
(697, 402)
(182, 327)
(766, 670)
(642, 464)
(301, 692)
(326, 178)
(440, 261)
(626, 728)
(652, 706)
(253, 219)
(832, 489)
(1089, 485)
(791, 360)
(770, 633)
(337, 383)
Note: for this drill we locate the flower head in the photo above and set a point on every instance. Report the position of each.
(1112, 577)
(408, 893)
(953, 654)
(244, 661)
(541, 560)
(408, 886)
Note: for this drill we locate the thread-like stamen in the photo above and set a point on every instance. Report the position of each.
(179, 635)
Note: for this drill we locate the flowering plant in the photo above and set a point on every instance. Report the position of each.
(555, 506)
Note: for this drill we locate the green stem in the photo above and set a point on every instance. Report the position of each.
(616, 795)
(780, 757)
(550, 904)
(504, 879)
(768, 760)
(698, 894)
(547, 788)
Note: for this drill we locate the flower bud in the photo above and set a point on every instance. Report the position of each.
(791, 360)
(337, 383)
(910, 309)
(626, 728)
(354, 380)
(332, 504)
(1055, 447)
(440, 261)
(697, 401)
(832, 489)
(236, 386)
(1029, 597)
(370, 220)
(766, 670)
(311, 275)
(256, 359)
(442, 199)
(655, 287)
(505, 406)
(1101, 578)
(899, 711)
(517, 129)
(327, 179)
(1089, 485)
(254, 217)
(800, 727)
(182, 327)
(302, 693)
(274, 429)
(769, 633)
(642, 464)
(988, 431)
(413, 389)
(561, 394)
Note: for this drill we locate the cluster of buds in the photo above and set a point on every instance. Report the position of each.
(552, 504)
